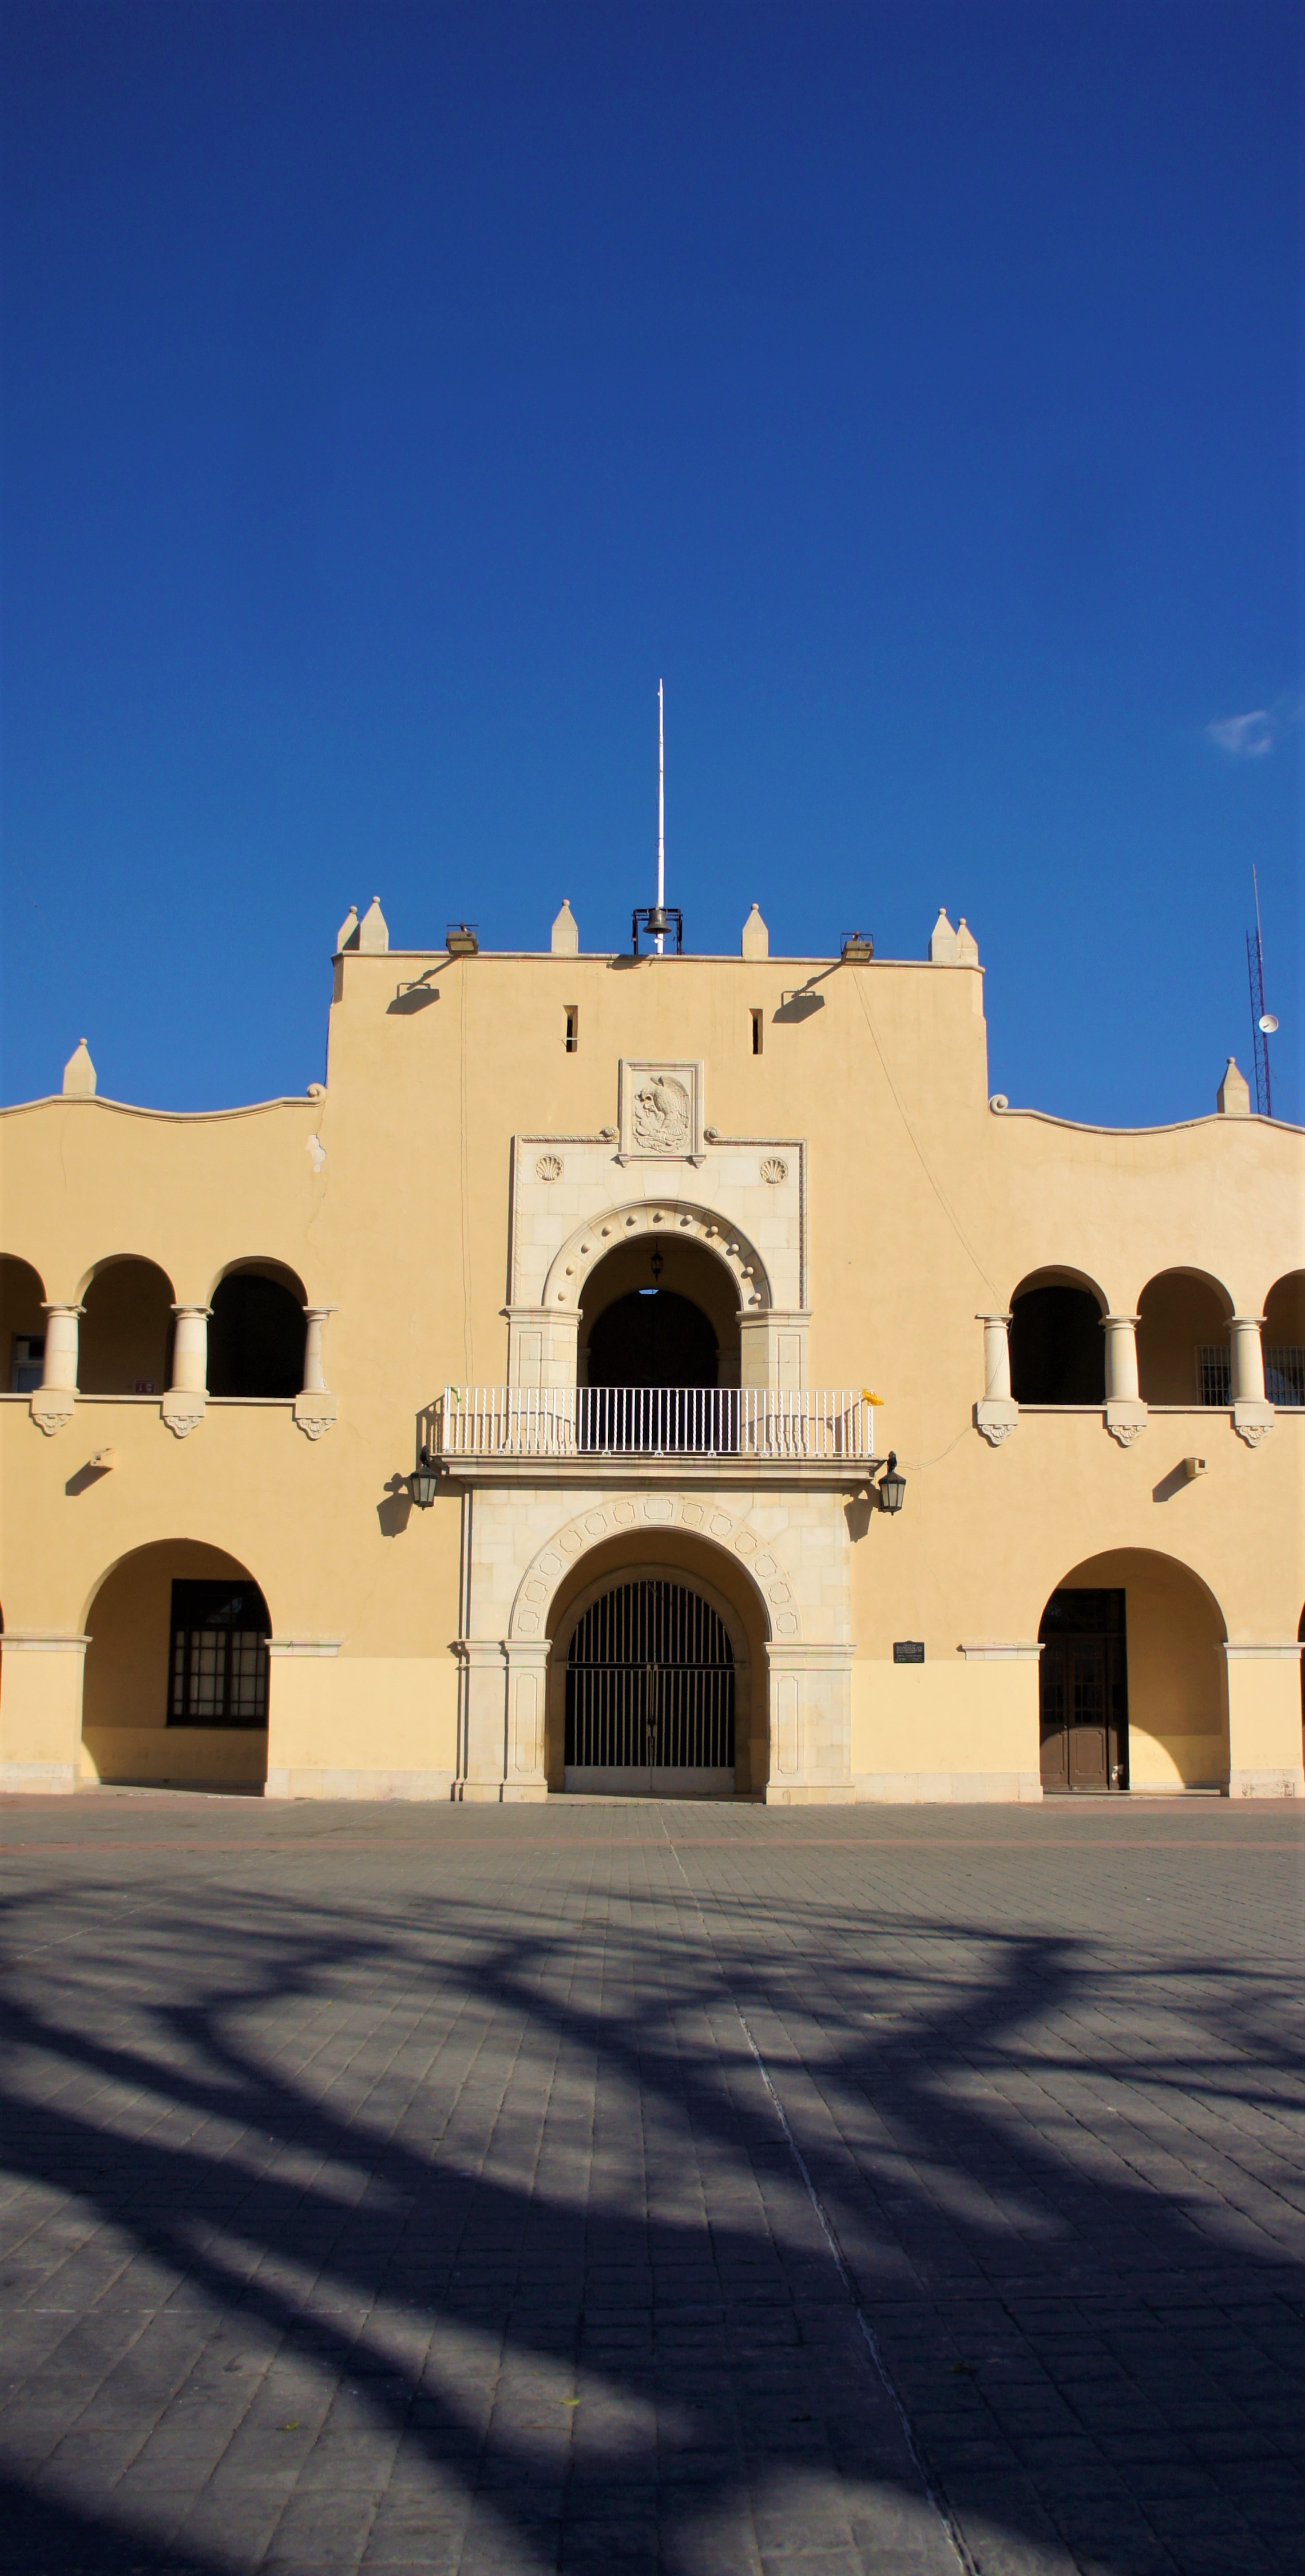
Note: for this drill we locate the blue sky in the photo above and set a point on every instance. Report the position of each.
(394, 391)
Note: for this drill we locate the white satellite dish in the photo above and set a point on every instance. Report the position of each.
(1269, 1024)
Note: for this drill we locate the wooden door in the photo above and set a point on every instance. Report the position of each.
(1083, 1688)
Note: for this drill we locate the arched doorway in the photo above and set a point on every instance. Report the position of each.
(659, 1336)
(176, 1682)
(689, 1653)
(1133, 1680)
(650, 1701)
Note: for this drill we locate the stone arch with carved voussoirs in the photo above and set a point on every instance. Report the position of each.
(670, 1220)
(624, 1515)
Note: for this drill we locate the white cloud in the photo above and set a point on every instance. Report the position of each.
(1246, 737)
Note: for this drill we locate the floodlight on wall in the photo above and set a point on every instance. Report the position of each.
(423, 1483)
(857, 948)
(891, 1488)
(460, 939)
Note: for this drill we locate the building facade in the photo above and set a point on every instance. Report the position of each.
(510, 1416)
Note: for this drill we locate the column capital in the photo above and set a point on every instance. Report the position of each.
(61, 1306)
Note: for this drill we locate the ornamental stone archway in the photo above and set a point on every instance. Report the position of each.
(786, 1548)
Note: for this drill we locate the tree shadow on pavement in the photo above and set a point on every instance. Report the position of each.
(464, 2235)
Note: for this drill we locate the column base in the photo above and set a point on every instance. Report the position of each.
(809, 1793)
(38, 1779)
(499, 1793)
(1267, 1784)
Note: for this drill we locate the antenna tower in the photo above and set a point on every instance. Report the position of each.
(1263, 1022)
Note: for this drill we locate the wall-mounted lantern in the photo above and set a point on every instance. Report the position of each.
(891, 1487)
(423, 1483)
(657, 1265)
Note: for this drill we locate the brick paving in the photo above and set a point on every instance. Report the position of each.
(400, 2188)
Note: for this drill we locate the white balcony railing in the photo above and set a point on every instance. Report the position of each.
(653, 1422)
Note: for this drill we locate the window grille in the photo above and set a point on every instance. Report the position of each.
(1213, 1374)
(218, 1673)
(1284, 1376)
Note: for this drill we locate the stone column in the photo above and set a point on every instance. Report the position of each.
(502, 1751)
(315, 1406)
(54, 1401)
(41, 1709)
(810, 1725)
(1264, 1747)
(996, 1414)
(1253, 1417)
(1126, 1415)
(186, 1399)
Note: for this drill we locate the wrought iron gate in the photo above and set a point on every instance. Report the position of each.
(650, 1684)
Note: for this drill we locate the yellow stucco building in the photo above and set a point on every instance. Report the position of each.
(656, 1258)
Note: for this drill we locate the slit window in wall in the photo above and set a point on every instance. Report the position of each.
(572, 1038)
(758, 1019)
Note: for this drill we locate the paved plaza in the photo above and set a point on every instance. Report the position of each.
(611, 2186)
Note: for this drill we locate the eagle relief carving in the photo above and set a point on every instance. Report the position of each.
(661, 1120)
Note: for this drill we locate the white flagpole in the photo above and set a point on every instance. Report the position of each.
(661, 809)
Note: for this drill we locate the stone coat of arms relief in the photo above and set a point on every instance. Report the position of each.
(660, 1120)
(660, 1111)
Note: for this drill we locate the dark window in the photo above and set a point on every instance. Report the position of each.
(218, 1669)
(255, 1337)
(572, 1028)
(1057, 1348)
(758, 1028)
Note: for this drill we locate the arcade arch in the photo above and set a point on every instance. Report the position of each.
(256, 1332)
(1132, 1678)
(1057, 1347)
(22, 1324)
(1182, 1340)
(124, 1343)
(176, 1675)
(1284, 1340)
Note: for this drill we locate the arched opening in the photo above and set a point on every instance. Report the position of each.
(1182, 1340)
(1057, 1347)
(125, 1339)
(651, 1683)
(177, 1670)
(1132, 1679)
(1284, 1340)
(256, 1332)
(659, 1312)
(22, 1325)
